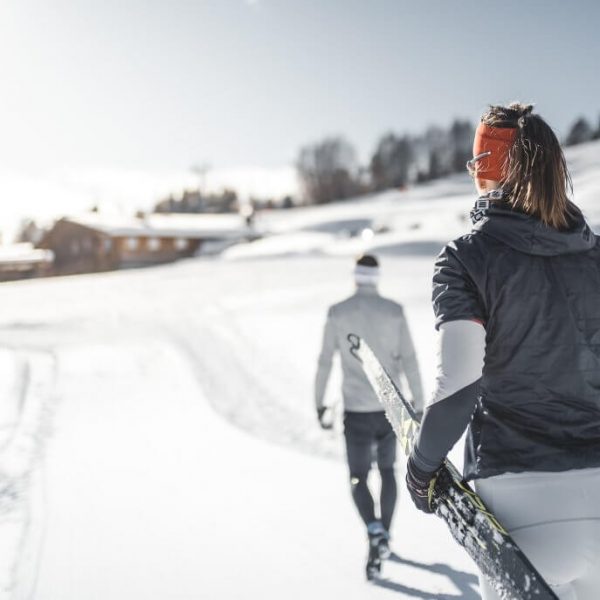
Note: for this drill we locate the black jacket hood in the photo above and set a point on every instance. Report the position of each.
(528, 234)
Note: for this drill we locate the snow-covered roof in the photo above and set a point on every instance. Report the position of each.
(191, 226)
(24, 254)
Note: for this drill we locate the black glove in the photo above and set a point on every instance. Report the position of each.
(324, 423)
(422, 484)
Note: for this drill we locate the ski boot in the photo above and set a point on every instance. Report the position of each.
(384, 546)
(379, 537)
(373, 569)
(379, 548)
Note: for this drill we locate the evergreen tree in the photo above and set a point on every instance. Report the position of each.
(580, 132)
(439, 152)
(436, 166)
(596, 135)
(461, 141)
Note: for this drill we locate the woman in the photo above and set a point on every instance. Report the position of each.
(517, 303)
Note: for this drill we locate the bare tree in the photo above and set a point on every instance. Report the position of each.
(392, 162)
(29, 231)
(328, 170)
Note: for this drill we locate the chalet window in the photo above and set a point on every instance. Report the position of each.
(181, 244)
(107, 244)
(75, 247)
(132, 243)
(153, 244)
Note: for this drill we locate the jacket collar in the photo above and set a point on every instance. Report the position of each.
(527, 233)
(366, 289)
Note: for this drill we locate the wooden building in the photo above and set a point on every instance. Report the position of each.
(93, 242)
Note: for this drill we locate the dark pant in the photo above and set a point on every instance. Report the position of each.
(369, 438)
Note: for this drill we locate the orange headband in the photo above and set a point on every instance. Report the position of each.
(496, 140)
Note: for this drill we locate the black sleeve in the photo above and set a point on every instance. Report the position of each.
(443, 424)
(455, 296)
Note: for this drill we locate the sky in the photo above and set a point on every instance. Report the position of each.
(116, 101)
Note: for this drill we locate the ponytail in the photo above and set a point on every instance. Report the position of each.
(537, 180)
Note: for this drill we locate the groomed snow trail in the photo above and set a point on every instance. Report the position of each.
(152, 493)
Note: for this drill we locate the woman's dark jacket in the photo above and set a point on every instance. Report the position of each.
(537, 292)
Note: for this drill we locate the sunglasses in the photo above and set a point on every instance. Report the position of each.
(471, 162)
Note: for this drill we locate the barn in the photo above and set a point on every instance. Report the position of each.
(95, 242)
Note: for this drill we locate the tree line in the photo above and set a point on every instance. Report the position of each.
(329, 170)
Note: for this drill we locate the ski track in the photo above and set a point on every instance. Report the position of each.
(250, 400)
(27, 414)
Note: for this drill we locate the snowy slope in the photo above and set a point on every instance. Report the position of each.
(151, 494)
(417, 221)
(185, 461)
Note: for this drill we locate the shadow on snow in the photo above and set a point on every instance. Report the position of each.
(466, 583)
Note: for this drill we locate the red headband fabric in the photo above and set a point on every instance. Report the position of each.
(496, 140)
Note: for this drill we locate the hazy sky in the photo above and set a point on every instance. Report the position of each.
(157, 86)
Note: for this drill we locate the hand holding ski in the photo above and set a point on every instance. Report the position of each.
(471, 524)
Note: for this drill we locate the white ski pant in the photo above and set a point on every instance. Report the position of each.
(555, 519)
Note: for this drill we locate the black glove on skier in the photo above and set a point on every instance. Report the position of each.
(324, 423)
(421, 485)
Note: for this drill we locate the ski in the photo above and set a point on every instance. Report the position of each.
(471, 524)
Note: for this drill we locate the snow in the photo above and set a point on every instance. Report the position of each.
(151, 492)
(184, 459)
(23, 253)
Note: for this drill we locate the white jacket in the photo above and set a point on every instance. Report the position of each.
(382, 324)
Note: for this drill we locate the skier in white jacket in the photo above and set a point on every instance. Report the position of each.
(381, 322)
